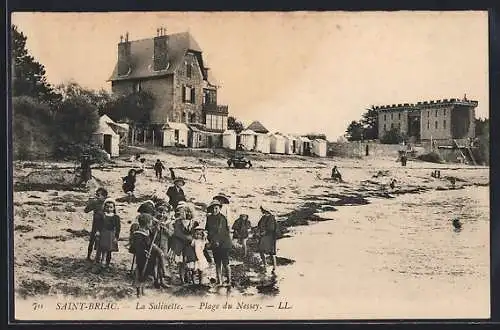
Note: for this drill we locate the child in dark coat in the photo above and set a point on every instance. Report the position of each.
(109, 231)
(159, 167)
(142, 246)
(95, 205)
(129, 183)
(268, 230)
(241, 230)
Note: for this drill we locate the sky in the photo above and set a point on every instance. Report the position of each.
(295, 72)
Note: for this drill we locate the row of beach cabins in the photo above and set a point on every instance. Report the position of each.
(254, 138)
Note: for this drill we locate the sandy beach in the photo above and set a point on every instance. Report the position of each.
(357, 249)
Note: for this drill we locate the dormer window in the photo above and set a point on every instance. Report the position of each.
(189, 69)
(188, 94)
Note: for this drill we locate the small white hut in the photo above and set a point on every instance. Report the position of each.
(278, 143)
(229, 139)
(175, 133)
(319, 147)
(107, 137)
(304, 145)
(248, 139)
(262, 143)
(290, 144)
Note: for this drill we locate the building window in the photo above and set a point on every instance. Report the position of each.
(444, 112)
(189, 69)
(444, 123)
(428, 113)
(385, 117)
(399, 116)
(385, 128)
(391, 116)
(188, 94)
(192, 118)
(436, 124)
(137, 86)
(436, 113)
(392, 125)
(428, 126)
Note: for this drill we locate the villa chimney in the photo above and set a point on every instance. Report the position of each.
(123, 56)
(160, 53)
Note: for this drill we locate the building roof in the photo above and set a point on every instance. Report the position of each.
(104, 127)
(247, 132)
(173, 125)
(141, 53)
(257, 127)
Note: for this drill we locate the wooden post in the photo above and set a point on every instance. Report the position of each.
(144, 137)
(153, 137)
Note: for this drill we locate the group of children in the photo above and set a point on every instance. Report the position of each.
(166, 234)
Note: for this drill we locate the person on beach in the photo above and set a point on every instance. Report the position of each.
(142, 167)
(336, 176)
(109, 231)
(128, 185)
(159, 167)
(162, 232)
(143, 247)
(199, 244)
(180, 242)
(175, 193)
(241, 231)
(95, 205)
(86, 170)
(404, 158)
(203, 174)
(224, 200)
(267, 230)
(148, 207)
(219, 240)
(172, 173)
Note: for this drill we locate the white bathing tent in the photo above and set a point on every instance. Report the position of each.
(278, 143)
(304, 145)
(175, 133)
(262, 143)
(247, 139)
(107, 137)
(229, 139)
(290, 144)
(319, 147)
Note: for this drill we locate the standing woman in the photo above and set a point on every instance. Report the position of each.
(267, 229)
(175, 193)
(109, 231)
(219, 239)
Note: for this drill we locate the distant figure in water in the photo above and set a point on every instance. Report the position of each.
(457, 225)
(172, 174)
(336, 176)
(452, 180)
(393, 183)
(436, 174)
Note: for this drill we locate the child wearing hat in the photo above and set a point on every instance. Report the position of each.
(180, 243)
(241, 231)
(267, 229)
(95, 205)
(109, 231)
(164, 230)
(219, 239)
(143, 247)
(199, 244)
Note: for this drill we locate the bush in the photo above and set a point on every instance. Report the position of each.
(393, 136)
(75, 150)
(432, 157)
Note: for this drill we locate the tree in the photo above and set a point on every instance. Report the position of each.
(99, 98)
(393, 136)
(28, 76)
(354, 131)
(234, 124)
(370, 124)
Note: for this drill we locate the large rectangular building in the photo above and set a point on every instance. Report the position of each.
(441, 121)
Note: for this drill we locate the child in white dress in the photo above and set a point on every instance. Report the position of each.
(199, 243)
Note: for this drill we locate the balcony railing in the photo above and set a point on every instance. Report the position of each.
(215, 109)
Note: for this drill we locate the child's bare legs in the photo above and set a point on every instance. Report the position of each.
(218, 270)
(273, 258)
(98, 256)
(108, 258)
(244, 244)
(263, 257)
(228, 271)
(200, 276)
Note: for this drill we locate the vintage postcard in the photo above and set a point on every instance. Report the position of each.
(250, 166)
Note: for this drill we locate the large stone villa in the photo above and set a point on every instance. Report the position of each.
(171, 67)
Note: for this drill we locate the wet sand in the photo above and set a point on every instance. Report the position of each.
(369, 252)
